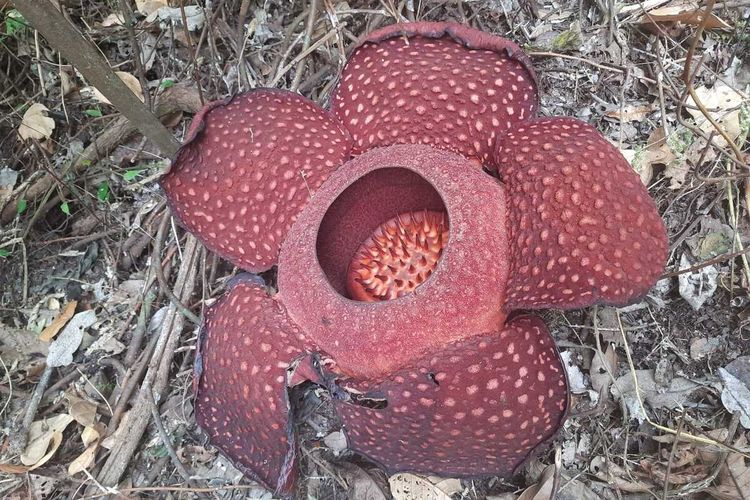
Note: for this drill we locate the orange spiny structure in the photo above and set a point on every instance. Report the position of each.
(399, 256)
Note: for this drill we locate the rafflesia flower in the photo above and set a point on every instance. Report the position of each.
(408, 223)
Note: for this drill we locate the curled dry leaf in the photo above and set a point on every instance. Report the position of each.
(90, 437)
(129, 80)
(683, 12)
(45, 436)
(542, 490)
(405, 486)
(54, 328)
(35, 124)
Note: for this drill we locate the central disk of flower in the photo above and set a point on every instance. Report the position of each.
(398, 257)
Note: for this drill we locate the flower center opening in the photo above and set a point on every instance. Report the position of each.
(398, 257)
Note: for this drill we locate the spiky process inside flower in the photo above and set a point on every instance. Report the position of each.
(399, 256)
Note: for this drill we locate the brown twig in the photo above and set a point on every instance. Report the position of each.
(157, 374)
(706, 263)
(166, 441)
(159, 272)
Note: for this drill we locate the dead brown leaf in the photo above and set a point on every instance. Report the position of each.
(54, 328)
(45, 437)
(683, 12)
(35, 124)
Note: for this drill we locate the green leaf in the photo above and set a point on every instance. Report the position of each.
(130, 175)
(4, 252)
(65, 207)
(102, 193)
(14, 22)
(166, 84)
(22, 204)
(94, 113)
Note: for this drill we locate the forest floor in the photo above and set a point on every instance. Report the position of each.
(80, 229)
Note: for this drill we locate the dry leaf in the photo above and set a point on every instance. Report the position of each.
(62, 348)
(14, 469)
(631, 112)
(35, 124)
(542, 490)
(90, 438)
(148, 7)
(736, 393)
(405, 486)
(655, 395)
(683, 12)
(84, 412)
(45, 437)
(129, 80)
(734, 478)
(698, 286)
(114, 19)
(618, 477)
(54, 328)
(450, 486)
(723, 104)
(603, 368)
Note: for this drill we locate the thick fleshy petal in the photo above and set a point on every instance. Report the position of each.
(248, 167)
(478, 407)
(442, 84)
(583, 229)
(462, 297)
(248, 353)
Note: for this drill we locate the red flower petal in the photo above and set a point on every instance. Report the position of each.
(442, 84)
(463, 296)
(479, 407)
(248, 167)
(582, 226)
(248, 351)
